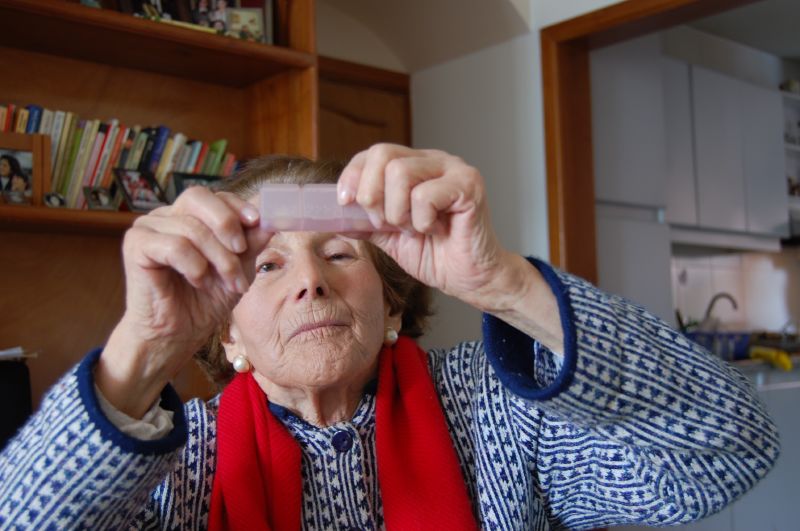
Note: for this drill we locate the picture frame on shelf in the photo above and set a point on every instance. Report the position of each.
(182, 181)
(54, 200)
(100, 198)
(139, 189)
(24, 161)
(246, 23)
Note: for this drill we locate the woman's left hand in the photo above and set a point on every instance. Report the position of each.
(439, 203)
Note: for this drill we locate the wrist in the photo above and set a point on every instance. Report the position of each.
(128, 373)
(512, 283)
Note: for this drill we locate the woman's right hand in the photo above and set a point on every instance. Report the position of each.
(186, 266)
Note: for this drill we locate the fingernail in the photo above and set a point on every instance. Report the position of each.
(241, 285)
(250, 213)
(345, 196)
(238, 244)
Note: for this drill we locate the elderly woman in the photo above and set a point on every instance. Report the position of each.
(578, 409)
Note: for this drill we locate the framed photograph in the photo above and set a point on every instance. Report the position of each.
(99, 198)
(54, 200)
(246, 23)
(182, 181)
(24, 160)
(140, 190)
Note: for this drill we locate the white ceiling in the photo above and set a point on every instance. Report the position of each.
(423, 33)
(772, 26)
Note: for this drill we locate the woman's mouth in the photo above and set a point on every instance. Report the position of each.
(319, 326)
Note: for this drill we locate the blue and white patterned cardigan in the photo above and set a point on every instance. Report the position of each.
(633, 424)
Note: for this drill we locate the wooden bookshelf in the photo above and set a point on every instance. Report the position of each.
(64, 220)
(99, 35)
(68, 284)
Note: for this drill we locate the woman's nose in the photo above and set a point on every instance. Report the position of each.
(311, 282)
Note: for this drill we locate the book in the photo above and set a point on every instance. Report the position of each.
(191, 161)
(92, 161)
(171, 157)
(3, 111)
(113, 159)
(127, 145)
(159, 143)
(21, 120)
(147, 151)
(181, 157)
(105, 153)
(228, 165)
(215, 153)
(84, 150)
(34, 118)
(69, 162)
(8, 126)
(46, 124)
(64, 144)
(201, 158)
(135, 154)
(55, 136)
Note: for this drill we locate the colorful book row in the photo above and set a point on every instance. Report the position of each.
(84, 152)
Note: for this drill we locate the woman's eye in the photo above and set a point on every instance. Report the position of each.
(339, 256)
(266, 267)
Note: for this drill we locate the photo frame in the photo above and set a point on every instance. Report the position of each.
(24, 166)
(139, 189)
(246, 23)
(100, 198)
(182, 181)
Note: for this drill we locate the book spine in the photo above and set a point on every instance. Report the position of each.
(147, 151)
(135, 155)
(22, 120)
(160, 142)
(171, 158)
(201, 158)
(67, 132)
(46, 125)
(34, 119)
(193, 155)
(91, 164)
(69, 162)
(127, 146)
(227, 165)
(76, 178)
(9, 125)
(113, 158)
(105, 153)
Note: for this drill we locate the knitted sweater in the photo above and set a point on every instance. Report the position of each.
(632, 424)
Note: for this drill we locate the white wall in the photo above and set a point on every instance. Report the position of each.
(342, 37)
(487, 108)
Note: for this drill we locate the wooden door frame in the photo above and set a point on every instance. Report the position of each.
(566, 91)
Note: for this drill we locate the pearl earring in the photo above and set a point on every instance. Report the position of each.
(390, 336)
(240, 364)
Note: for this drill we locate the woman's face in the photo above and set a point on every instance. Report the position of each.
(5, 168)
(315, 314)
(18, 184)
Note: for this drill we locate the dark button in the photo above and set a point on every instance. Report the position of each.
(342, 441)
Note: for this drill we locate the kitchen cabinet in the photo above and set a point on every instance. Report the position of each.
(718, 151)
(725, 162)
(681, 191)
(627, 123)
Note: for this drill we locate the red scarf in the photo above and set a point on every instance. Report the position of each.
(258, 485)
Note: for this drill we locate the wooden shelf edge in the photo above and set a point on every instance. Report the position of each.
(44, 219)
(243, 62)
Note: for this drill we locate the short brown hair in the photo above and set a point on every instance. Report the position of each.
(402, 292)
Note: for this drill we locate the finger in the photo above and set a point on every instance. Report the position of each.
(227, 264)
(347, 184)
(432, 198)
(153, 250)
(370, 194)
(216, 213)
(248, 213)
(402, 175)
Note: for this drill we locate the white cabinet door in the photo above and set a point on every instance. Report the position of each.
(633, 260)
(681, 193)
(628, 123)
(718, 150)
(764, 161)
